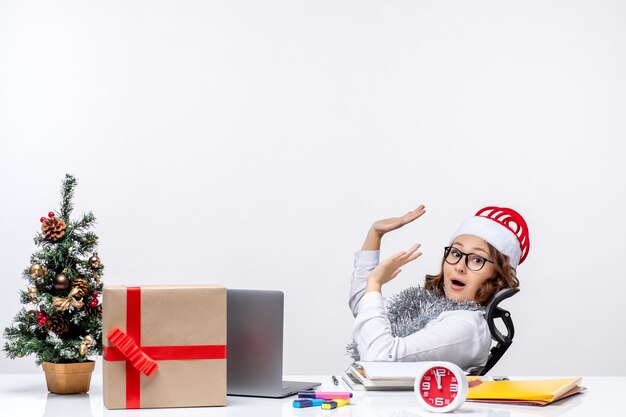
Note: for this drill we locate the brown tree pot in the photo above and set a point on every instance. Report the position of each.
(68, 378)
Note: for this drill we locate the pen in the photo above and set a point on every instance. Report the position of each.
(309, 402)
(324, 395)
(335, 380)
(338, 402)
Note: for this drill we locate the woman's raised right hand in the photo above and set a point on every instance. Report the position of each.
(380, 227)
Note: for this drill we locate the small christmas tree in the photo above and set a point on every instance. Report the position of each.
(63, 323)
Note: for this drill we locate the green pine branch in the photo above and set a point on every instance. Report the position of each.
(85, 222)
(67, 195)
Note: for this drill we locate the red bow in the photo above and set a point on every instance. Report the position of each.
(136, 356)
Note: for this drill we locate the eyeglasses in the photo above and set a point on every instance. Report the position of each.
(472, 261)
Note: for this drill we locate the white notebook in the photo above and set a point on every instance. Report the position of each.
(392, 370)
(355, 377)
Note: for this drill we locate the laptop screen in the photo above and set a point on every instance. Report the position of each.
(255, 342)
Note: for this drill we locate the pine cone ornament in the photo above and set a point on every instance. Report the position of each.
(53, 228)
(57, 324)
(93, 311)
(80, 287)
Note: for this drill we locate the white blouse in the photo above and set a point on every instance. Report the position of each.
(459, 336)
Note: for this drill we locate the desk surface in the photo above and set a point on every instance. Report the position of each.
(26, 395)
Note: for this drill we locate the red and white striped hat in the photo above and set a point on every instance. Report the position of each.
(503, 228)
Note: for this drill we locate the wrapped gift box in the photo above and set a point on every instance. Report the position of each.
(164, 346)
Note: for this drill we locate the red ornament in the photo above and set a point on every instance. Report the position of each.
(42, 320)
(39, 314)
(42, 219)
(94, 294)
(51, 214)
(93, 303)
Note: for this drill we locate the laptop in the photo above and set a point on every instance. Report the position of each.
(255, 345)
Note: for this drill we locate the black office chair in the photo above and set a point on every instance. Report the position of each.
(502, 341)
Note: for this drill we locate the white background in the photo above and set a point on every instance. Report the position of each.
(252, 143)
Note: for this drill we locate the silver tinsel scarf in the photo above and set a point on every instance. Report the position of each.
(411, 309)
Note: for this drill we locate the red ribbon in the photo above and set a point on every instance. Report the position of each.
(132, 352)
(142, 358)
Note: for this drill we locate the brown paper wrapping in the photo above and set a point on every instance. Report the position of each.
(171, 315)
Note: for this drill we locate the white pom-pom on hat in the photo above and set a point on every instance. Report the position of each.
(501, 227)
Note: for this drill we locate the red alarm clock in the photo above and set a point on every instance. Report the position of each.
(441, 387)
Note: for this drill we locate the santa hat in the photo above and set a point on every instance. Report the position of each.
(501, 227)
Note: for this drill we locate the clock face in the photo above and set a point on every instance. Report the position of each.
(438, 387)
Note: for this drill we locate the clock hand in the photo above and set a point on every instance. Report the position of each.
(438, 377)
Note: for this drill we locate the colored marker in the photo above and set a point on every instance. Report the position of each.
(309, 402)
(338, 402)
(325, 395)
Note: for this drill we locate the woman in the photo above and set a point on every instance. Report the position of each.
(480, 260)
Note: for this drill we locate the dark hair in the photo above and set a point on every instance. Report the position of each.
(503, 277)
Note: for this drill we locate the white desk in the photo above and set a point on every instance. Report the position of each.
(26, 395)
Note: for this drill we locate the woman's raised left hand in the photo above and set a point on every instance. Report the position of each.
(390, 268)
